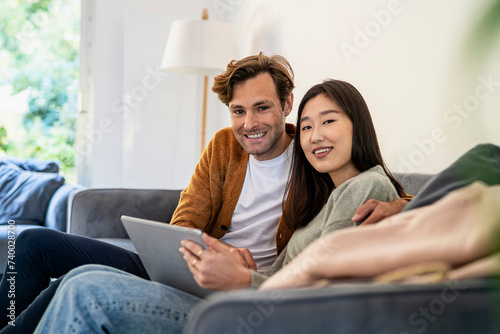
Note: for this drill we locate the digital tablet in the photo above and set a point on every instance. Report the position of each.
(157, 245)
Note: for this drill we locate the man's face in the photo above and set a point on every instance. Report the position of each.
(258, 119)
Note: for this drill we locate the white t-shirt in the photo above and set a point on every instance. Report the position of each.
(259, 208)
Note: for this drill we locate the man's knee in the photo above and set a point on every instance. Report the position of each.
(482, 163)
(31, 238)
(486, 147)
(31, 242)
(37, 235)
(87, 284)
(76, 280)
(94, 268)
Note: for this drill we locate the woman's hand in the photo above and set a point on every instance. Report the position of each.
(222, 267)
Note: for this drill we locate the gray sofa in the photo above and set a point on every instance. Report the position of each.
(96, 213)
(468, 306)
(449, 307)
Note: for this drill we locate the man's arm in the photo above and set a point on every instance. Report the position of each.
(194, 208)
(373, 211)
(209, 200)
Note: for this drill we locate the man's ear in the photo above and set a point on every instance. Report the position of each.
(288, 105)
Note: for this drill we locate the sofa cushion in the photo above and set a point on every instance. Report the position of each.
(25, 195)
(34, 165)
(481, 163)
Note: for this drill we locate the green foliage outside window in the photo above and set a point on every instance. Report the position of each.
(39, 46)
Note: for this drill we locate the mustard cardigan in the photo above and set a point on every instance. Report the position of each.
(209, 201)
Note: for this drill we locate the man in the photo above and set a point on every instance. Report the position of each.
(234, 195)
(237, 162)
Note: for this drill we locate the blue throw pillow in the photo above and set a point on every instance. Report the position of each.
(25, 195)
(34, 165)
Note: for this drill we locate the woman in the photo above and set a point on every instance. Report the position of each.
(335, 141)
(336, 167)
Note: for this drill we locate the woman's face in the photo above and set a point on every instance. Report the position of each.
(326, 138)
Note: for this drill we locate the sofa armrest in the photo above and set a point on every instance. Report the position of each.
(57, 212)
(468, 306)
(96, 212)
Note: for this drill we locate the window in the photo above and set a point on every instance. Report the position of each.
(39, 60)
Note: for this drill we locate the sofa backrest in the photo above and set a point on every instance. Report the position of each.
(412, 182)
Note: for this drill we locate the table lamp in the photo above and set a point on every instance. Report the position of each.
(200, 47)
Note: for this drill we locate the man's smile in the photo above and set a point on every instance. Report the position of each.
(256, 135)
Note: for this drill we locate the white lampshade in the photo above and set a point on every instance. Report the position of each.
(199, 47)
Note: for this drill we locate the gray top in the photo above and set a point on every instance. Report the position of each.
(335, 215)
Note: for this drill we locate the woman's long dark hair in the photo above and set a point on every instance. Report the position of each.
(308, 189)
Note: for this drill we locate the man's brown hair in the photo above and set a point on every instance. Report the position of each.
(238, 71)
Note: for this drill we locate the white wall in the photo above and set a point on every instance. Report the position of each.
(407, 59)
(409, 62)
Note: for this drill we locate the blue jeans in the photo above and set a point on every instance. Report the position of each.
(98, 299)
(42, 254)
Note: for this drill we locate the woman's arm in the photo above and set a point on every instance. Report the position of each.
(338, 212)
